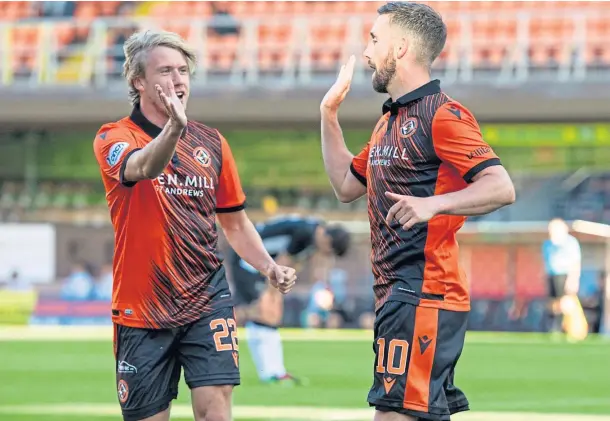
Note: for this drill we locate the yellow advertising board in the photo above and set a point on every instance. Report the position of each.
(16, 306)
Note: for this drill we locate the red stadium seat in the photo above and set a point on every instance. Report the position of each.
(490, 37)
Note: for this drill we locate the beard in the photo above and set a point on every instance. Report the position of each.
(384, 75)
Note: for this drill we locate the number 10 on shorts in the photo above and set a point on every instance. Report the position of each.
(395, 348)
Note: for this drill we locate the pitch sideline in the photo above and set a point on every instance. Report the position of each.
(104, 333)
(183, 411)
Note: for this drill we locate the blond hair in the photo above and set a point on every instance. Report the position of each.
(139, 44)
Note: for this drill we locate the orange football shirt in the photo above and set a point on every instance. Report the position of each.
(167, 269)
(424, 144)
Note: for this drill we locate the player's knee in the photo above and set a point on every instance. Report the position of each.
(215, 412)
(212, 403)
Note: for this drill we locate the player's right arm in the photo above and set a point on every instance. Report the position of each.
(150, 161)
(122, 160)
(337, 158)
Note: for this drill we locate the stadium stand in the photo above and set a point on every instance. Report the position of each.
(590, 200)
(311, 36)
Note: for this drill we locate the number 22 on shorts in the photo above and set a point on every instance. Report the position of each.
(222, 328)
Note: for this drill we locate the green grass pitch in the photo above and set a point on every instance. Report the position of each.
(500, 373)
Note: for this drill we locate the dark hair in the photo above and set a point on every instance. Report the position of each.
(340, 239)
(422, 22)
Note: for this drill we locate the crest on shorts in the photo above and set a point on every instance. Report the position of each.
(409, 127)
(123, 391)
(236, 359)
(202, 156)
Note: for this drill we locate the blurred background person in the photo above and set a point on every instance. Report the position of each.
(562, 263)
(293, 241)
(78, 285)
(102, 290)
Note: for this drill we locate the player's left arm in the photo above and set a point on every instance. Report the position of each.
(239, 230)
(458, 141)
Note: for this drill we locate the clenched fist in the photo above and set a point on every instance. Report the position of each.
(281, 278)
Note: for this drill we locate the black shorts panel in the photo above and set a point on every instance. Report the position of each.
(149, 361)
(147, 372)
(209, 350)
(557, 285)
(416, 351)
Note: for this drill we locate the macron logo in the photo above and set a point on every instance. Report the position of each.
(424, 342)
(115, 153)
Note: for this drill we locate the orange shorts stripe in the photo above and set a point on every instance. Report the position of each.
(423, 349)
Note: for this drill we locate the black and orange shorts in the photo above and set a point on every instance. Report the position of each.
(416, 350)
(149, 362)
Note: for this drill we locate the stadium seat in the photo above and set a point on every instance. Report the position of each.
(529, 273)
(487, 32)
(222, 51)
(487, 267)
(274, 43)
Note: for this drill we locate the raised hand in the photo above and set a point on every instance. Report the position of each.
(336, 94)
(173, 105)
(282, 278)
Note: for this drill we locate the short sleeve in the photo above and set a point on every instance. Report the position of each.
(360, 164)
(112, 149)
(229, 195)
(458, 141)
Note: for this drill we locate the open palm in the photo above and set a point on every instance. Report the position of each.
(173, 105)
(336, 94)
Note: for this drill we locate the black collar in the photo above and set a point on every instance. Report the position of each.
(430, 88)
(145, 124)
(149, 128)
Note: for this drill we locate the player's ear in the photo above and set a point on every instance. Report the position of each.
(401, 47)
(138, 84)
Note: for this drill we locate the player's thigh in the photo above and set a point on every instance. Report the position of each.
(416, 349)
(209, 350)
(147, 372)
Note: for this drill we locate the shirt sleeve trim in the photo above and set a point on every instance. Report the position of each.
(480, 167)
(122, 170)
(232, 208)
(358, 176)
